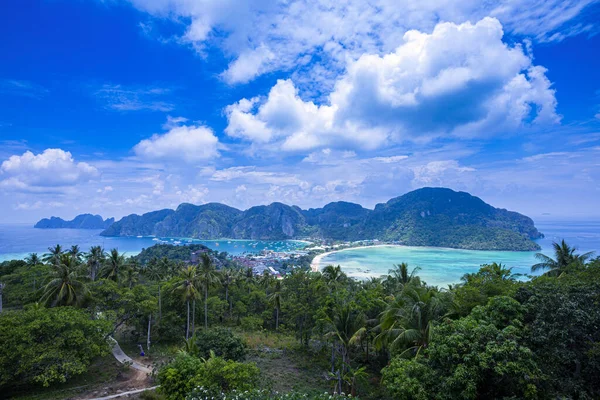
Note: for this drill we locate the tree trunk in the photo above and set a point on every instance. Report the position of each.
(332, 357)
(187, 326)
(206, 307)
(148, 338)
(277, 318)
(193, 317)
(159, 304)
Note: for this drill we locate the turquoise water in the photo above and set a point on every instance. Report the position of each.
(18, 240)
(443, 266)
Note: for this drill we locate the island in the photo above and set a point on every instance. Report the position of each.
(83, 221)
(438, 217)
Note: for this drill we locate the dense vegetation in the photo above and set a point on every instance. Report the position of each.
(82, 221)
(395, 337)
(424, 217)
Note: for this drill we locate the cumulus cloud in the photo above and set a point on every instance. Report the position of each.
(51, 168)
(251, 174)
(460, 80)
(329, 32)
(188, 143)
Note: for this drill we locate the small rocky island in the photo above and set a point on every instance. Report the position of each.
(83, 221)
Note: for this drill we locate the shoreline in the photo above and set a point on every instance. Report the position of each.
(315, 264)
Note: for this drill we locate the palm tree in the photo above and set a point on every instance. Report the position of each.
(208, 276)
(2, 286)
(155, 273)
(275, 300)
(132, 272)
(33, 259)
(53, 255)
(113, 265)
(565, 259)
(400, 276)
(187, 287)
(333, 274)
(228, 277)
(407, 322)
(248, 278)
(346, 326)
(76, 252)
(265, 281)
(94, 260)
(66, 286)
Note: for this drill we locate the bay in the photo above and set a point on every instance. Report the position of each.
(441, 266)
(18, 240)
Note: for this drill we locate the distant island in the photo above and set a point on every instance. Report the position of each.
(438, 217)
(83, 221)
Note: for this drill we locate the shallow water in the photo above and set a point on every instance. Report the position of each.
(18, 240)
(440, 266)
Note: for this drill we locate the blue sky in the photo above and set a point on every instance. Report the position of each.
(115, 106)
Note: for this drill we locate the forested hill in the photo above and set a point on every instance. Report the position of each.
(424, 217)
(83, 221)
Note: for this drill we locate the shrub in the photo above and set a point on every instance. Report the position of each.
(186, 372)
(222, 342)
(252, 323)
(201, 393)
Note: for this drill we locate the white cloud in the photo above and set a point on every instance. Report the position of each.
(51, 168)
(437, 173)
(190, 144)
(460, 80)
(121, 98)
(250, 174)
(328, 33)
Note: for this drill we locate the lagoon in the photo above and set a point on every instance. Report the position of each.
(441, 266)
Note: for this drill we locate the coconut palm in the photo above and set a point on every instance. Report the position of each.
(132, 272)
(2, 286)
(333, 274)
(75, 252)
(53, 255)
(564, 259)
(265, 280)
(346, 326)
(155, 273)
(248, 276)
(66, 286)
(275, 300)
(113, 266)
(33, 259)
(400, 277)
(208, 276)
(228, 277)
(187, 287)
(94, 260)
(407, 322)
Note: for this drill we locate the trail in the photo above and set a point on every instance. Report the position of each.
(123, 358)
(116, 396)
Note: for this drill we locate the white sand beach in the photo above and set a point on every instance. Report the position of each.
(315, 265)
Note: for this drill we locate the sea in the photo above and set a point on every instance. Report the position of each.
(17, 241)
(438, 266)
(442, 266)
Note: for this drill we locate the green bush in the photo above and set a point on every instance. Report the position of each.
(251, 323)
(222, 342)
(186, 372)
(48, 345)
(201, 393)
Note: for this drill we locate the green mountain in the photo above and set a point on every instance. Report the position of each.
(424, 217)
(83, 221)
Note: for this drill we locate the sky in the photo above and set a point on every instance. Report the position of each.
(115, 107)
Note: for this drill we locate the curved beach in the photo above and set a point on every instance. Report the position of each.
(315, 264)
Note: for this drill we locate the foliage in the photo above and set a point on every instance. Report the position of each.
(48, 345)
(185, 372)
(201, 393)
(480, 356)
(222, 342)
